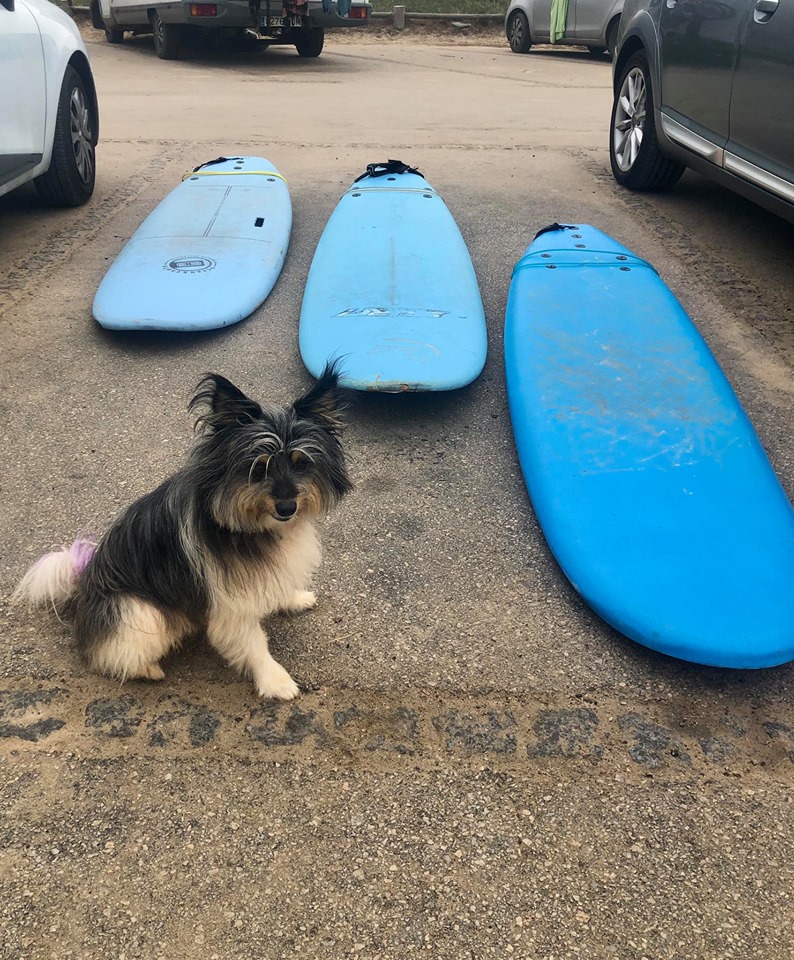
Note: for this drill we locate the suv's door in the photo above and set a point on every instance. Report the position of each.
(22, 91)
(762, 106)
(699, 44)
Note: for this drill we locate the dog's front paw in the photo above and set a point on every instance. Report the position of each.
(149, 671)
(275, 683)
(154, 672)
(301, 601)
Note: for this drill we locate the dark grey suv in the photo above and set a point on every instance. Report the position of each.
(707, 84)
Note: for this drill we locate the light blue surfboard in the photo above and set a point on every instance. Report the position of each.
(392, 291)
(649, 481)
(207, 256)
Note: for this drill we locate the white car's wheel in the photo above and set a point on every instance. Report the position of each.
(69, 181)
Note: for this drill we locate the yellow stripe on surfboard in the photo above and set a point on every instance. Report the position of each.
(234, 173)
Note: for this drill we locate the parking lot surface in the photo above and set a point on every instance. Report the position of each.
(478, 766)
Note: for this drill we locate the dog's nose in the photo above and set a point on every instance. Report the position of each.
(285, 508)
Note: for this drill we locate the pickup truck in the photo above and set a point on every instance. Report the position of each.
(174, 23)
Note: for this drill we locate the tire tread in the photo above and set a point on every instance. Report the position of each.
(60, 185)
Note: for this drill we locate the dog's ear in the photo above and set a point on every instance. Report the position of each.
(323, 404)
(224, 405)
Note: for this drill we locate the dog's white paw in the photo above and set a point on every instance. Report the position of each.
(152, 671)
(274, 683)
(302, 600)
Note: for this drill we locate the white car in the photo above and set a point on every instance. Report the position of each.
(49, 120)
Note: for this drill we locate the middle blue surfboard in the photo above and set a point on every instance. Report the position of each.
(392, 290)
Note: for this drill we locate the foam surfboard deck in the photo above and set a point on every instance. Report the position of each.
(392, 290)
(207, 256)
(649, 481)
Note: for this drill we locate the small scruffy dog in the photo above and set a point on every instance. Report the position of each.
(221, 544)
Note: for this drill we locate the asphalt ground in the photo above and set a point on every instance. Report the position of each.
(478, 766)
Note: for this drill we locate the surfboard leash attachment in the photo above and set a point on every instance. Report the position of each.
(211, 163)
(390, 166)
(553, 227)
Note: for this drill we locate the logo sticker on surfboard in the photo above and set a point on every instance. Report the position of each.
(385, 312)
(189, 264)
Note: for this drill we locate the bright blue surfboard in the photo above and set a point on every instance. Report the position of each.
(207, 256)
(648, 479)
(392, 290)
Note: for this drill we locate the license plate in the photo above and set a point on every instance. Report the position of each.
(264, 24)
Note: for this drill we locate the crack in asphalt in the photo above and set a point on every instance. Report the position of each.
(425, 728)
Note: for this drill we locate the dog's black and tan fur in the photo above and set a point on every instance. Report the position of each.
(225, 541)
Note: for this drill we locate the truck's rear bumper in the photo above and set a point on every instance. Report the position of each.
(228, 13)
(328, 20)
(234, 14)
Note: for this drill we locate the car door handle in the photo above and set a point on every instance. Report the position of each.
(764, 10)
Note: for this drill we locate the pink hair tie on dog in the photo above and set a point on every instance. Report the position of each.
(81, 552)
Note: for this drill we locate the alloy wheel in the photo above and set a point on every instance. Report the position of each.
(82, 137)
(629, 122)
(516, 33)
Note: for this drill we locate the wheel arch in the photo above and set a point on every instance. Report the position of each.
(525, 8)
(628, 48)
(612, 22)
(79, 63)
(639, 34)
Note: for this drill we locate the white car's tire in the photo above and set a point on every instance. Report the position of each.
(69, 181)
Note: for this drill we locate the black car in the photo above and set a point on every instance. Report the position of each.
(707, 84)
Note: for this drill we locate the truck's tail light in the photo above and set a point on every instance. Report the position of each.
(203, 10)
(358, 13)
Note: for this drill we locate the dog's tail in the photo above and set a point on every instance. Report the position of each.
(52, 579)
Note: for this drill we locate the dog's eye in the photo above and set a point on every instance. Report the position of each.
(299, 458)
(259, 470)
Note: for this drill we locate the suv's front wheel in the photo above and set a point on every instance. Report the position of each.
(637, 162)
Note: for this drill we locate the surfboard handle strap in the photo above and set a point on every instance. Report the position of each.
(390, 166)
(552, 227)
(211, 163)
